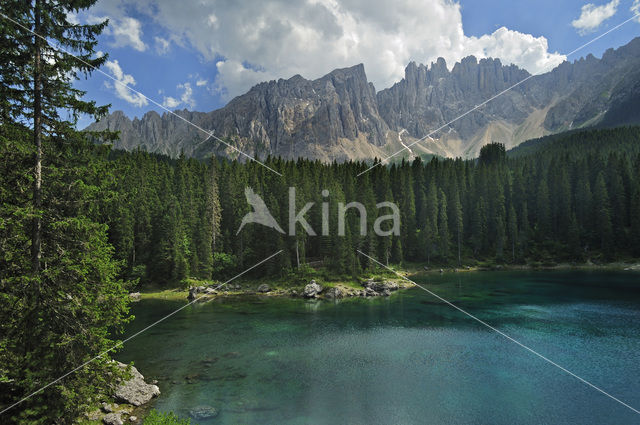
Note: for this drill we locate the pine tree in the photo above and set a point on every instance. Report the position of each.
(430, 229)
(512, 226)
(64, 303)
(456, 210)
(443, 226)
(602, 214)
(543, 210)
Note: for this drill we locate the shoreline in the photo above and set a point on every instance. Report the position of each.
(353, 289)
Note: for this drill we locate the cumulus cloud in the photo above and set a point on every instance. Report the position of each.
(124, 80)
(186, 98)
(125, 31)
(234, 78)
(170, 102)
(258, 40)
(592, 16)
(525, 50)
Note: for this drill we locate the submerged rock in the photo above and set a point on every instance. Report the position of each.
(203, 412)
(135, 391)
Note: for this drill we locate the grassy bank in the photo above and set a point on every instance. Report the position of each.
(295, 281)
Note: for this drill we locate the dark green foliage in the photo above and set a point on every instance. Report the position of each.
(515, 210)
(492, 154)
(54, 320)
(59, 305)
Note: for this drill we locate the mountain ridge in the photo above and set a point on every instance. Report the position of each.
(341, 116)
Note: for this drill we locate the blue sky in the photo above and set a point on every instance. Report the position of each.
(197, 55)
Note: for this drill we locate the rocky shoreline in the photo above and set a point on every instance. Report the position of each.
(313, 290)
(128, 395)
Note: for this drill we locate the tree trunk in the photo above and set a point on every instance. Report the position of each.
(36, 234)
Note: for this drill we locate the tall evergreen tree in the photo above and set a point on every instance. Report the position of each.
(57, 310)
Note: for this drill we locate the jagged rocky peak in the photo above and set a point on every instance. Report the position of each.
(355, 71)
(340, 113)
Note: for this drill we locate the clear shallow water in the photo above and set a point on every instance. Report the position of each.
(407, 359)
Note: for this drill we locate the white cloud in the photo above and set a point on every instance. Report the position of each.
(185, 99)
(125, 30)
(525, 50)
(257, 40)
(170, 102)
(201, 83)
(635, 9)
(125, 79)
(234, 78)
(162, 45)
(592, 16)
(128, 32)
(187, 95)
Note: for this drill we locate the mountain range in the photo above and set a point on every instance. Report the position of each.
(341, 116)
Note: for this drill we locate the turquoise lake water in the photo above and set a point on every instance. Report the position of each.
(407, 359)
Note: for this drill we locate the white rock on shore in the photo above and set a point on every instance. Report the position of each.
(135, 391)
(312, 290)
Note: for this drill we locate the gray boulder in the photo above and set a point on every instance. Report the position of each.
(369, 292)
(312, 290)
(381, 286)
(334, 293)
(112, 419)
(135, 391)
(264, 288)
(203, 412)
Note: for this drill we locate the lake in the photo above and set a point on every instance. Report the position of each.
(406, 359)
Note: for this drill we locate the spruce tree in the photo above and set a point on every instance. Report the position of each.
(58, 308)
(602, 215)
